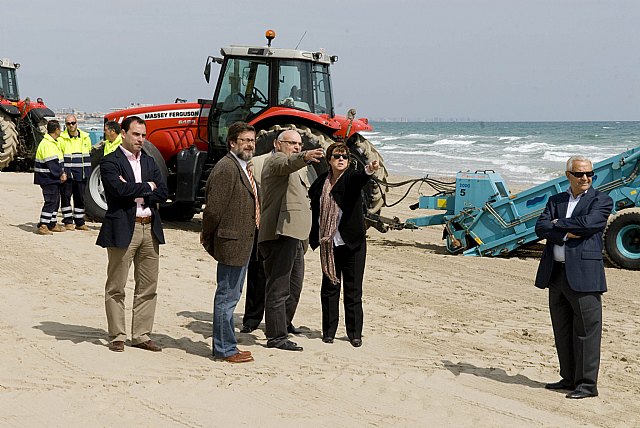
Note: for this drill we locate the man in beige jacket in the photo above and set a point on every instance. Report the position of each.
(284, 226)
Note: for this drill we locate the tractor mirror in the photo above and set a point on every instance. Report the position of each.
(207, 70)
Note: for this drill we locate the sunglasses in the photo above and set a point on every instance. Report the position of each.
(70, 123)
(340, 155)
(581, 174)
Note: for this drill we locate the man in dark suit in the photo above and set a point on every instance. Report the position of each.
(229, 223)
(132, 231)
(572, 268)
(286, 221)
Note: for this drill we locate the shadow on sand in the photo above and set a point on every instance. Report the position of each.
(492, 373)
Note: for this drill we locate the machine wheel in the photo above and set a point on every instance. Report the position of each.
(95, 203)
(622, 239)
(8, 140)
(169, 210)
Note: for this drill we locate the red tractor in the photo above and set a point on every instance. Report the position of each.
(270, 88)
(23, 123)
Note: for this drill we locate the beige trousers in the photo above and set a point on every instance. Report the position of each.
(144, 251)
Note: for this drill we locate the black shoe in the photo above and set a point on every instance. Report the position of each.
(287, 345)
(579, 393)
(246, 329)
(562, 384)
(327, 339)
(292, 330)
(356, 343)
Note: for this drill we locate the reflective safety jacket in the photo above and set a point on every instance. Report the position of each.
(77, 155)
(49, 162)
(110, 146)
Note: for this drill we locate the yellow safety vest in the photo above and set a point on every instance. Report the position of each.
(49, 162)
(77, 155)
(110, 146)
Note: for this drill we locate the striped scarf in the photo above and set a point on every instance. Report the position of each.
(328, 225)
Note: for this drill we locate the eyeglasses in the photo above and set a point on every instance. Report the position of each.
(246, 140)
(70, 123)
(340, 155)
(581, 174)
(292, 143)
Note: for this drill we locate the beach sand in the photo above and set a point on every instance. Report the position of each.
(448, 340)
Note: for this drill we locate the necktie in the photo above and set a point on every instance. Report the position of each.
(255, 192)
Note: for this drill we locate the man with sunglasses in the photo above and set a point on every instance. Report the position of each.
(284, 228)
(76, 147)
(573, 270)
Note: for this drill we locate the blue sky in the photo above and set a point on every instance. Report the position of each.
(480, 59)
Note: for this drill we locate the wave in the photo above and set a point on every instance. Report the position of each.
(446, 141)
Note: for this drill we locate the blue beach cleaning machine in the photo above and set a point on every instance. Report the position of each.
(482, 218)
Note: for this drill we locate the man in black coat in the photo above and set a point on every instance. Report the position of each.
(132, 231)
(572, 268)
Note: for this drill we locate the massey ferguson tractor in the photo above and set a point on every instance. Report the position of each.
(273, 89)
(23, 123)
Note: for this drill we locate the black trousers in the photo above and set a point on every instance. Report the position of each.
(49, 213)
(72, 188)
(256, 283)
(350, 267)
(577, 328)
(256, 290)
(284, 272)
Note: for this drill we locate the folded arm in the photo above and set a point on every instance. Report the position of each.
(111, 179)
(593, 222)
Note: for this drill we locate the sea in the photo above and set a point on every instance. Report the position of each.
(523, 153)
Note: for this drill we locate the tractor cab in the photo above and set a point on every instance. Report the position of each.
(256, 83)
(8, 82)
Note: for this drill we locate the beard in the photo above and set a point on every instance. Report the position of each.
(245, 156)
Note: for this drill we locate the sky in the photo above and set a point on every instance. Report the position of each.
(491, 60)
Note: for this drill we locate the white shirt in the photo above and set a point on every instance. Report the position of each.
(243, 165)
(134, 161)
(558, 250)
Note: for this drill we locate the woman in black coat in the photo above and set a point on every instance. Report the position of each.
(338, 229)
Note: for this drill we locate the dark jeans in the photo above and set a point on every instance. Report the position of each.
(75, 189)
(350, 266)
(284, 271)
(577, 328)
(49, 213)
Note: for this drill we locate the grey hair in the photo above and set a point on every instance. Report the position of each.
(577, 158)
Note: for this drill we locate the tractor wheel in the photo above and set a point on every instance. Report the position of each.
(95, 202)
(365, 153)
(8, 140)
(622, 239)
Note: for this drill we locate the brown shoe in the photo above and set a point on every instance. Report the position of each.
(44, 230)
(83, 227)
(246, 353)
(238, 358)
(149, 345)
(58, 228)
(70, 226)
(116, 346)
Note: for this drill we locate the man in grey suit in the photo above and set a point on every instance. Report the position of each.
(572, 267)
(229, 223)
(285, 225)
